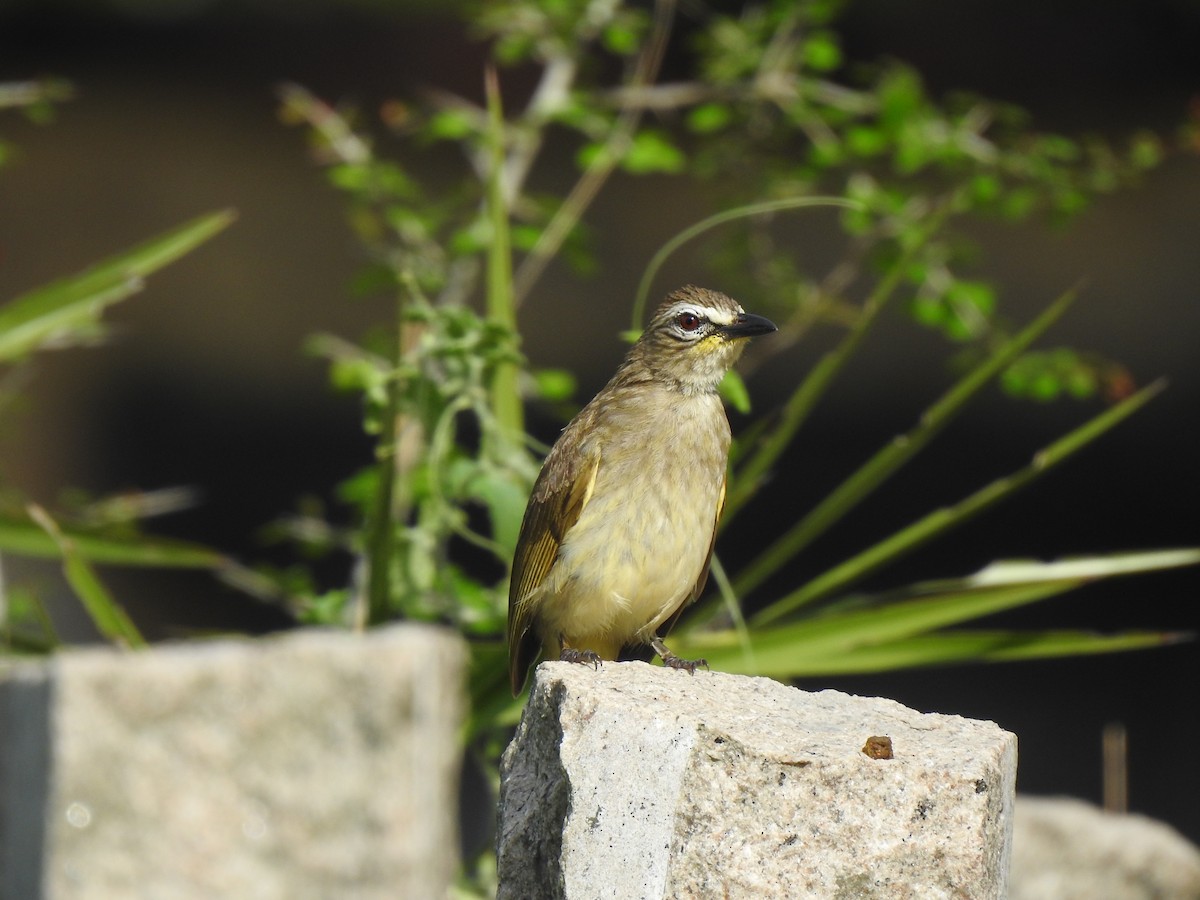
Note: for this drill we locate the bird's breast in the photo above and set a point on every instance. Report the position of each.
(643, 538)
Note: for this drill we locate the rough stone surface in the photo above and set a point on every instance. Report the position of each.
(638, 782)
(312, 765)
(1066, 849)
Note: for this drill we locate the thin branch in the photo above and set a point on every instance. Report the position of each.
(593, 179)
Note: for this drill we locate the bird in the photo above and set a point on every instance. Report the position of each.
(618, 533)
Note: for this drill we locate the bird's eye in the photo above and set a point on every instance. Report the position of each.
(688, 321)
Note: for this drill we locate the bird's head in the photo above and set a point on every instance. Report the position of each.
(694, 338)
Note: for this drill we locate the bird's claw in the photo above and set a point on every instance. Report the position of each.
(584, 657)
(688, 665)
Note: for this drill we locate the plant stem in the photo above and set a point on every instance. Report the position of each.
(592, 180)
(106, 614)
(729, 215)
(383, 519)
(501, 305)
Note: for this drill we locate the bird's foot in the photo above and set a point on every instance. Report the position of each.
(584, 657)
(671, 661)
(688, 665)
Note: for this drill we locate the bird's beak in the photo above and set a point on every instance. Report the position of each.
(747, 325)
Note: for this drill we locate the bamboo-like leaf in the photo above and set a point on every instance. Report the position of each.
(942, 648)
(899, 451)
(22, 537)
(69, 309)
(908, 539)
(23, 641)
(882, 630)
(106, 614)
(1087, 568)
(25, 625)
(888, 619)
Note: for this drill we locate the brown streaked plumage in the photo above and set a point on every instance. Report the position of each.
(618, 535)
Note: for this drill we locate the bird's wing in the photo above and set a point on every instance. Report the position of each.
(702, 580)
(559, 496)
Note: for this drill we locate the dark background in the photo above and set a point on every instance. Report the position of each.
(206, 384)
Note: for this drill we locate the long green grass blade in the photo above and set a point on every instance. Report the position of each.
(1042, 645)
(946, 648)
(885, 628)
(18, 641)
(22, 537)
(25, 624)
(940, 520)
(899, 451)
(750, 474)
(1088, 568)
(106, 614)
(878, 623)
(69, 309)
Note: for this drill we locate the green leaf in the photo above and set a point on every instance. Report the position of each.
(525, 237)
(25, 625)
(623, 35)
(733, 391)
(709, 117)
(985, 188)
(505, 499)
(106, 614)
(1045, 376)
(929, 311)
(821, 51)
(451, 125)
(1019, 202)
(69, 310)
(492, 705)
(865, 141)
(555, 384)
(652, 151)
(592, 154)
(22, 537)
(1146, 150)
(882, 631)
(901, 95)
(903, 613)
(941, 648)
(1084, 568)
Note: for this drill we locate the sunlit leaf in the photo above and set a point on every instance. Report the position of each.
(22, 537)
(902, 627)
(941, 648)
(106, 614)
(733, 391)
(69, 310)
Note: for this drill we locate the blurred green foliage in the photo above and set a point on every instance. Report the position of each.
(70, 313)
(770, 117)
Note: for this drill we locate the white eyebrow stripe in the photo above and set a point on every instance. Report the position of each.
(717, 316)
